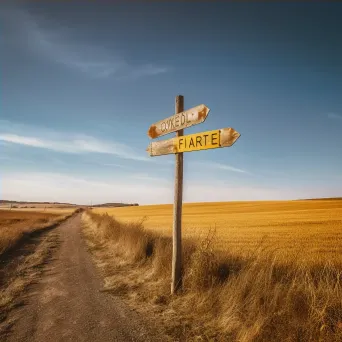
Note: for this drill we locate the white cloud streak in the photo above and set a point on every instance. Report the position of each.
(76, 144)
(228, 168)
(28, 141)
(57, 44)
(147, 177)
(218, 166)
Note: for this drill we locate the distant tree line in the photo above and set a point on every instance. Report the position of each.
(116, 205)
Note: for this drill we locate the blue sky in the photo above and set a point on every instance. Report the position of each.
(81, 84)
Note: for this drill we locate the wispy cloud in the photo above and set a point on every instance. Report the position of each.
(147, 177)
(59, 45)
(219, 166)
(334, 116)
(14, 133)
(144, 70)
(29, 141)
(228, 168)
(112, 165)
(76, 144)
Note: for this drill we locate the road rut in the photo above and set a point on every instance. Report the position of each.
(67, 304)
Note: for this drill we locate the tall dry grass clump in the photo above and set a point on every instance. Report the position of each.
(257, 297)
(130, 238)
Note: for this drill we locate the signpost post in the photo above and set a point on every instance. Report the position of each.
(176, 282)
(224, 137)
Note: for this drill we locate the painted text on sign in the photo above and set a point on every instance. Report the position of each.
(199, 141)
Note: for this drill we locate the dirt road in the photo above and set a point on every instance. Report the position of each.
(67, 304)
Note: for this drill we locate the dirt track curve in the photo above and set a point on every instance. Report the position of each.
(67, 304)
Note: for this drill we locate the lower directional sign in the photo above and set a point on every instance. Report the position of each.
(224, 137)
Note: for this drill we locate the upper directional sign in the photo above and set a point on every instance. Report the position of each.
(179, 121)
(224, 137)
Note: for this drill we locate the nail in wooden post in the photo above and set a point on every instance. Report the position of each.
(176, 283)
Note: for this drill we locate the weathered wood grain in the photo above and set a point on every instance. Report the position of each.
(184, 119)
(176, 282)
(224, 137)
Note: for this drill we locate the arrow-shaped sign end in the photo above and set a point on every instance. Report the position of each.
(229, 136)
(203, 113)
(152, 132)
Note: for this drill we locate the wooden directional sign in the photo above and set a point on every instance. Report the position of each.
(224, 137)
(179, 121)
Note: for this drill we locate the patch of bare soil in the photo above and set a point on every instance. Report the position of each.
(65, 300)
(22, 266)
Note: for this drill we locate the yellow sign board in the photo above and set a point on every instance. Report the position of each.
(223, 137)
(198, 141)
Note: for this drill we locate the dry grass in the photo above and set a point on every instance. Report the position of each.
(15, 224)
(19, 273)
(304, 230)
(255, 293)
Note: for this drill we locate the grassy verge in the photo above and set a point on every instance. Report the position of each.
(226, 297)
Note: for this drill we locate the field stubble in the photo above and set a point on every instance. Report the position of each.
(308, 231)
(239, 284)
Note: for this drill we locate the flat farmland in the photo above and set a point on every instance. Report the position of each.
(56, 211)
(15, 223)
(307, 230)
(43, 208)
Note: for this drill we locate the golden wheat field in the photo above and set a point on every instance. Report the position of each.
(14, 223)
(59, 210)
(308, 230)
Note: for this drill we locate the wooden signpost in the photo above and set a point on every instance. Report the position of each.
(224, 137)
